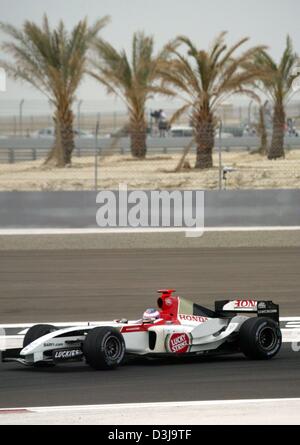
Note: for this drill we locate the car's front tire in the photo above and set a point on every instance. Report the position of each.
(37, 331)
(34, 333)
(104, 348)
(260, 338)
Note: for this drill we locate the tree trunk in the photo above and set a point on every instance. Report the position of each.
(61, 152)
(138, 137)
(277, 145)
(263, 149)
(262, 131)
(205, 140)
(184, 155)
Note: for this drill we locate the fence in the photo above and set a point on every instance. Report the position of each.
(23, 118)
(15, 150)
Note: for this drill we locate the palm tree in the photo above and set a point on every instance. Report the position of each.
(204, 79)
(277, 83)
(133, 79)
(54, 62)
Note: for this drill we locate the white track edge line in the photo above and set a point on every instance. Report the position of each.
(63, 231)
(150, 405)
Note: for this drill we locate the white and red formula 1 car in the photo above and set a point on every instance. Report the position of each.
(177, 328)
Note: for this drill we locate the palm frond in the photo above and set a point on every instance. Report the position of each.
(52, 60)
(134, 79)
(277, 79)
(206, 77)
(178, 113)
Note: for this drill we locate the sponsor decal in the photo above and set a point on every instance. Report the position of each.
(245, 304)
(134, 329)
(268, 311)
(195, 318)
(54, 345)
(168, 301)
(67, 354)
(178, 343)
(261, 305)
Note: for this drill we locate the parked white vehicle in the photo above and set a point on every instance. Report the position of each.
(181, 131)
(184, 131)
(49, 133)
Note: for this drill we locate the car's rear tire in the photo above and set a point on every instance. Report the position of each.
(104, 348)
(37, 331)
(260, 338)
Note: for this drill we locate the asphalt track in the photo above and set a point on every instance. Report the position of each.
(63, 286)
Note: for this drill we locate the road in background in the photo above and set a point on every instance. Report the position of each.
(16, 149)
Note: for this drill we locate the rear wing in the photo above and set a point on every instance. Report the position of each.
(261, 307)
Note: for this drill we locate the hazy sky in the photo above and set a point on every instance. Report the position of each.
(265, 21)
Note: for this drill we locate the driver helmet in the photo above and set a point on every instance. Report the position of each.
(151, 314)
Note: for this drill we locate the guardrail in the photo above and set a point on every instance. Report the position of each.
(27, 149)
(77, 209)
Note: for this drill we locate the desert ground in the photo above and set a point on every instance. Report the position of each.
(156, 172)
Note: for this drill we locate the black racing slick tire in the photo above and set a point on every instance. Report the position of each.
(104, 348)
(37, 331)
(260, 338)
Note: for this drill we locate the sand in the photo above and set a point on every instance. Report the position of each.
(156, 172)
